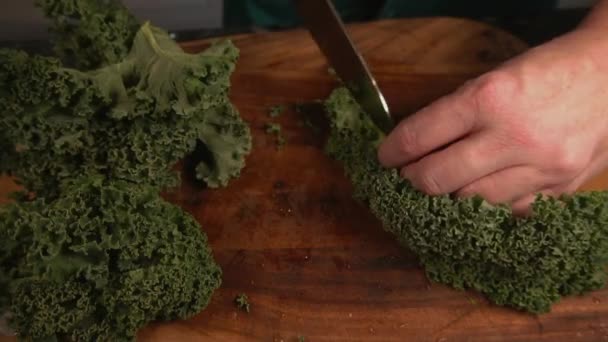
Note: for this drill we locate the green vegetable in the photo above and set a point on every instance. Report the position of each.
(527, 263)
(281, 141)
(90, 33)
(132, 120)
(275, 128)
(315, 129)
(242, 302)
(227, 138)
(100, 261)
(332, 72)
(276, 111)
(97, 253)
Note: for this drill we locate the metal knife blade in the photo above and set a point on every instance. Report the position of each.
(327, 30)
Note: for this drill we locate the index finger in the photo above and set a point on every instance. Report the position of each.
(434, 126)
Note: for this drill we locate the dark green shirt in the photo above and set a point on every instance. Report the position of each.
(273, 14)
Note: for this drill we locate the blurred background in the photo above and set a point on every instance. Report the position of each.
(535, 21)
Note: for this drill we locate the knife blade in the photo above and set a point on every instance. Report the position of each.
(328, 31)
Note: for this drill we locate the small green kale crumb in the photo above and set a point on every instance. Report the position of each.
(275, 128)
(281, 141)
(332, 72)
(242, 302)
(301, 338)
(299, 108)
(275, 111)
(308, 123)
(306, 110)
(304, 107)
(111, 121)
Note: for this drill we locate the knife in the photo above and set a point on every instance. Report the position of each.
(327, 30)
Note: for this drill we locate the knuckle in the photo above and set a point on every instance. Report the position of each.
(521, 136)
(493, 91)
(471, 156)
(429, 184)
(485, 189)
(512, 140)
(463, 120)
(566, 160)
(408, 141)
(468, 191)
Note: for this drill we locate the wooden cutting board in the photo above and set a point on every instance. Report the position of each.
(314, 263)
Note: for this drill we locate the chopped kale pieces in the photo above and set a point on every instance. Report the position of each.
(132, 120)
(90, 33)
(100, 261)
(307, 111)
(275, 128)
(308, 123)
(242, 302)
(299, 108)
(276, 111)
(332, 71)
(281, 141)
(89, 250)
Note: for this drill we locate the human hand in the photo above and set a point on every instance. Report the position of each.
(537, 124)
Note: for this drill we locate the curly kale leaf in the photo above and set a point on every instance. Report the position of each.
(527, 263)
(132, 120)
(227, 138)
(100, 261)
(90, 33)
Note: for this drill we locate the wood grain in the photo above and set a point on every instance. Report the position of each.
(313, 262)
